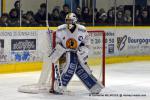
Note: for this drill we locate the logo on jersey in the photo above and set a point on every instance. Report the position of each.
(80, 38)
(71, 43)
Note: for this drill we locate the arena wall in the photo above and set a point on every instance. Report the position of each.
(23, 47)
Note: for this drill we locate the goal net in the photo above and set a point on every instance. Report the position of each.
(96, 62)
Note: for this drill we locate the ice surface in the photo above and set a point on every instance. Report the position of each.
(124, 81)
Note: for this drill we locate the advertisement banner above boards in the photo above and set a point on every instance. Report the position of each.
(33, 44)
(96, 41)
(124, 41)
(133, 41)
(129, 41)
(22, 45)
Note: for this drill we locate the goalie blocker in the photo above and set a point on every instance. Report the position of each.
(74, 64)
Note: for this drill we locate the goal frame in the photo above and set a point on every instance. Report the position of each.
(103, 58)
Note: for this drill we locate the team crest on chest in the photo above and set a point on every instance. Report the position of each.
(71, 43)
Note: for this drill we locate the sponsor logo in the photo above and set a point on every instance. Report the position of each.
(25, 33)
(3, 58)
(121, 41)
(110, 48)
(6, 33)
(110, 34)
(18, 33)
(20, 56)
(23, 44)
(138, 40)
(80, 38)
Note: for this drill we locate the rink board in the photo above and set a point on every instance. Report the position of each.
(34, 66)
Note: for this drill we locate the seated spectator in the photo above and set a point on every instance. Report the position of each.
(127, 17)
(55, 18)
(96, 16)
(4, 20)
(119, 18)
(78, 14)
(110, 17)
(29, 20)
(102, 19)
(101, 11)
(145, 17)
(14, 17)
(17, 7)
(86, 16)
(64, 12)
(40, 16)
(120, 8)
(137, 18)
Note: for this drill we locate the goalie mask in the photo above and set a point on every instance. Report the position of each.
(70, 20)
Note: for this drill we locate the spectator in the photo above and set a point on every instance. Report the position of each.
(120, 18)
(17, 7)
(78, 14)
(110, 17)
(4, 20)
(40, 16)
(145, 17)
(102, 19)
(29, 19)
(128, 17)
(120, 8)
(101, 11)
(14, 17)
(64, 12)
(86, 16)
(96, 14)
(55, 17)
(137, 18)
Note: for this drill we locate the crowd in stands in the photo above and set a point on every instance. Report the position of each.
(124, 16)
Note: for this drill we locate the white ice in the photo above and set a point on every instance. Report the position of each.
(124, 81)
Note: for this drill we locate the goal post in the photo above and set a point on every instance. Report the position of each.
(96, 63)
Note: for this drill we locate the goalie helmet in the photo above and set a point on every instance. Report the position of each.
(70, 20)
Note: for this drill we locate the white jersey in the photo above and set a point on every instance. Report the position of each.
(71, 40)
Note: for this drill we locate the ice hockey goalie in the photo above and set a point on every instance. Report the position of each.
(70, 56)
